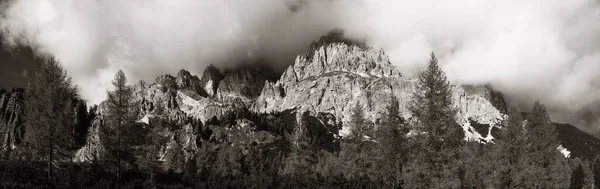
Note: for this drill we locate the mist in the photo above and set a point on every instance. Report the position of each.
(547, 50)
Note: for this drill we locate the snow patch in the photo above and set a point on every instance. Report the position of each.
(145, 119)
(472, 135)
(564, 151)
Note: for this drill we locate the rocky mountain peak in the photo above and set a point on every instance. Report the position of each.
(339, 57)
(166, 80)
(335, 36)
(210, 80)
(245, 82)
(338, 75)
(184, 80)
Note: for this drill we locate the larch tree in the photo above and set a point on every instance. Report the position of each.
(120, 116)
(50, 112)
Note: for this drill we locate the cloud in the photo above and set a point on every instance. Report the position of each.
(145, 38)
(547, 50)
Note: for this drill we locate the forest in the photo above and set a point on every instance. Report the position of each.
(246, 149)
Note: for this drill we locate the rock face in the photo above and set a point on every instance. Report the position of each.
(12, 110)
(244, 82)
(210, 80)
(333, 76)
(180, 98)
(340, 75)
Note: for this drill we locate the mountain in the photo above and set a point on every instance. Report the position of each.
(339, 75)
(577, 143)
(311, 97)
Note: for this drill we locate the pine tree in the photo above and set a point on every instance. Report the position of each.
(432, 106)
(49, 112)
(433, 109)
(512, 146)
(392, 141)
(577, 178)
(301, 157)
(82, 122)
(596, 172)
(360, 128)
(544, 160)
(120, 116)
(543, 136)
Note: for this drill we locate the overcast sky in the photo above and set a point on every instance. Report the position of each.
(547, 50)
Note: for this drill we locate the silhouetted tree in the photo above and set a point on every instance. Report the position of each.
(119, 118)
(83, 122)
(577, 178)
(49, 112)
(393, 142)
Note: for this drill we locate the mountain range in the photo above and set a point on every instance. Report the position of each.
(331, 77)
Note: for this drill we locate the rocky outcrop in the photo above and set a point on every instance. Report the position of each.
(93, 149)
(185, 80)
(176, 99)
(245, 82)
(11, 118)
(339, 75)
(210, 80)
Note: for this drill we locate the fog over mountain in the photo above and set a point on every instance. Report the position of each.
(547, 50)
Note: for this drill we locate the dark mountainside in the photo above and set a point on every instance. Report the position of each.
(581, 144)
(248, 127)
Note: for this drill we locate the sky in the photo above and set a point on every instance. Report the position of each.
(547, 50)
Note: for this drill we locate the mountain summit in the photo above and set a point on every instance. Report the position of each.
(341, 74)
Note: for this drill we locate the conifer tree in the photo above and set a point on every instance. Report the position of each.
(82, 122)
(432, 106)
(119, 118)
(543, 137)
(392, 141)
(545, 162)
(512, 143)
(49, 112)
(596, 172)
(359, 126)
(433, 109)
(577, 178)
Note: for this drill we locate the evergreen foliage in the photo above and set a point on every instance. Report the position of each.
(596, 172)
(577, 178)
(439, 136)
